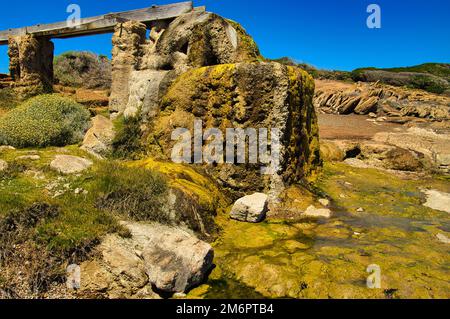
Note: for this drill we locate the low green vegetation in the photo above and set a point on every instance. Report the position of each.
(48, 220)
(83, 69)
(135, 193)
(127, 142)
(430, 77)
(8, 99)
(45, 120)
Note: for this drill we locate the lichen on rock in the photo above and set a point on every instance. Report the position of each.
(245, 95)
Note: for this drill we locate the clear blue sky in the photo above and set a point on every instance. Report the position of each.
(330, 34)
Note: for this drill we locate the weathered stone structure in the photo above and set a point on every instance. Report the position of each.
(197, 66)
(31, 64)
(144, 69)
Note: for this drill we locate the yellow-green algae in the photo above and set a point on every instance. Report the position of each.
(298, 259)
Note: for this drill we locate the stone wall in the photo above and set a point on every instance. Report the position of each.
(31, 65)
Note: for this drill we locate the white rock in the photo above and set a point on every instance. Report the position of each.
(314, 212)
(98, 139)
(3, 165)
(324, 202)
(443, 239)
(360, 210)
(67, 164)
(437, 200)
(28, 158)
(6, 148)
(168, 258)
(251, 209)
(354, 162)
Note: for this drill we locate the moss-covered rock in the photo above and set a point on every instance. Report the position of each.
(246, 95)
(301, 259)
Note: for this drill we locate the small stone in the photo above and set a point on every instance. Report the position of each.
(6, 148)
(28, 158)
(354, 162)
(78, 191)
(317, 213)
(67, 164)
(443, 239)
(251, 209)
(360, 210)
(179, 295)
(437, 200)
(324, 202)
(3, 165)
(372, 115)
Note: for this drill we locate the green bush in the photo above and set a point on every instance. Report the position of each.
(137, 193)
(83, 69)
(8, 99)
(45, 120)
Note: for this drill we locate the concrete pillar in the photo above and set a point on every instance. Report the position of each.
(31, 65)
(128, 42)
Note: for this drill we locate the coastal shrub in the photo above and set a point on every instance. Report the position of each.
(83, 69)
(137, 193)
(45, 120)
(8, 99)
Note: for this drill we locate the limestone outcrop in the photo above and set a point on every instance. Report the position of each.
(168, 259)
(383, 101)
(67, 164)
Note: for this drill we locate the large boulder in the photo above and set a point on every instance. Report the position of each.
(170, 260)
(175, 261)
(98, 139)
(245, 96)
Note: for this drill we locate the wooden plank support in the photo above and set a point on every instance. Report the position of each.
(101, 24)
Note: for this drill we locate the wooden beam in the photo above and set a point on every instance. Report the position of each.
(101, 24)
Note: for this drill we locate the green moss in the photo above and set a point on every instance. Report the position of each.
(248, 49)
(299, 259)
(303, 126)
(127, 142)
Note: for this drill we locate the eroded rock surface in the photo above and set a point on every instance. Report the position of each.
(396, 104)
(67, 164)
(169, 259)
(144, 68)
(31, 65)
(252, 208)
(98, 139)
(246, 96)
